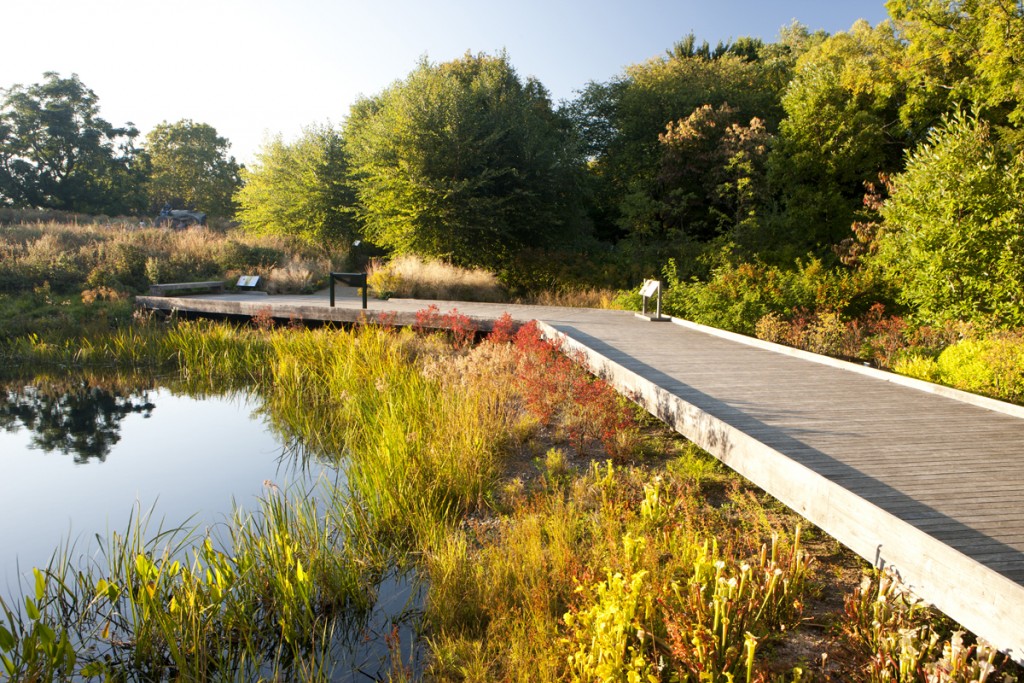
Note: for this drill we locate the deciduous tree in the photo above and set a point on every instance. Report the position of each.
(300, 189)
(190, 168)
(963, 51)
(711, 181)
(623, 119)
(842, 128)
(466, 162)
(57, 152)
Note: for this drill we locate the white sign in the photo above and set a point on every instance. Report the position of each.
(248, 281)
(650, 287)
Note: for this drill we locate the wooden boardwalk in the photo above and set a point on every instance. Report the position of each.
(925, 480)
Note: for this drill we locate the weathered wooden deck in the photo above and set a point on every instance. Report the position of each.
(922, 479)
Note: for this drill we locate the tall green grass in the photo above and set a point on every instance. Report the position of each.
(417, 454)
(177, 605)
(540, 558)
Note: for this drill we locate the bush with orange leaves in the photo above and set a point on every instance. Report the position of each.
(560, 393)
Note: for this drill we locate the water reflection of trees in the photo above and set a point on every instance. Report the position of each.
(77, 419)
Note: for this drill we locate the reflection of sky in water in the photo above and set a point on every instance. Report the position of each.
(190, 461)
(191, 457)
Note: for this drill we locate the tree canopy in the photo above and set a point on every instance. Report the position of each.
(952, 236)
(300, 189)
(964, 51)
(464, 161)
(190, 168)
(57, 152)
(622, 120)
(841, 129)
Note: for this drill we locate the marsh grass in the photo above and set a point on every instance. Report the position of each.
(418, 454)
(581, 297)
(542, 555)
(413, 278)
(179, 605)
(71, 257)
(47, 313)
(70, 279)
(131, 347)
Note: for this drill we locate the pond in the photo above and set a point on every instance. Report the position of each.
(82, 462)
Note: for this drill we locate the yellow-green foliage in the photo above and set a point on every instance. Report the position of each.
(609, 636)
(613, 578)
(35, 647)
(917, 366)
(176, 607)
(993, 366)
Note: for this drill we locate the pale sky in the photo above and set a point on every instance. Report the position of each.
(252, 68)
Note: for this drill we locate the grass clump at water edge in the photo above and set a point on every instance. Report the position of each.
(549, 550)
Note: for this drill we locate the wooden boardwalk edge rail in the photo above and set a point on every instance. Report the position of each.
(992, 606)
(294, 311)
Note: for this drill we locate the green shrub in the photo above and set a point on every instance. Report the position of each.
(952, 238)
(917, 366)
(737, 296)
(992, 367)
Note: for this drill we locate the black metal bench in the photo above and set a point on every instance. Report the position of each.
(350, 279)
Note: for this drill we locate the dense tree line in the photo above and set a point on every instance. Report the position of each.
(56, 152)
(908, 132)
(709, 157)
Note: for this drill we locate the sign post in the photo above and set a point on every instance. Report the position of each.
(651, 288)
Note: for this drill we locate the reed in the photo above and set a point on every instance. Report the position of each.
(417, 453)
(176, 605)
(545, 553)
(133, 347)
(414, 278)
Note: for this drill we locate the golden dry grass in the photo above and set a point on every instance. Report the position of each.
(410, 277)
(587, 297)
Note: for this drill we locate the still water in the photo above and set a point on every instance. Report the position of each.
(81, 463)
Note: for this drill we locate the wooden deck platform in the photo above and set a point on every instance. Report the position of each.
(926, 480)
